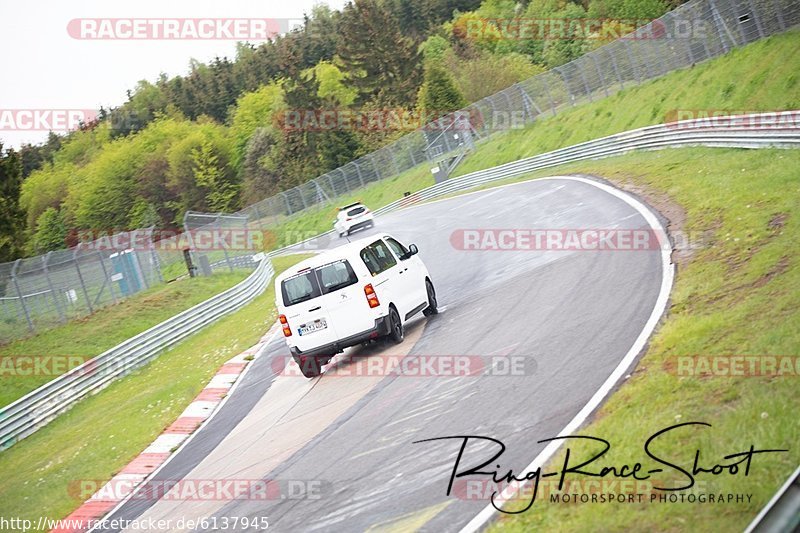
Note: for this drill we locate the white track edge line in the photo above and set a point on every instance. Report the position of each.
(668, 274)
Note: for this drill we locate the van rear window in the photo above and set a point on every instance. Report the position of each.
(356, 211)
(336, 276)
(300, 288)
(321, 280)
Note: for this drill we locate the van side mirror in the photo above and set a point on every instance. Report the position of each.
(412, 250)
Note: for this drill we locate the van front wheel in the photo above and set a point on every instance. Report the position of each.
(395, 326)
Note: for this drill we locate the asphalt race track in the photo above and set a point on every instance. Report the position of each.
(348, 441)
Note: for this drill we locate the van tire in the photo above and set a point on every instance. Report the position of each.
(433, 304)
(309, 366)
(395, 326)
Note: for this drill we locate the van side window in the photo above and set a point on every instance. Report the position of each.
(399, 250)
(377, 257)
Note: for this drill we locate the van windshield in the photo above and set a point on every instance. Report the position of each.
(321, 280)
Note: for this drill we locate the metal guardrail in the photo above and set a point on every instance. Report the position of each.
(759, 130)
(37, 408)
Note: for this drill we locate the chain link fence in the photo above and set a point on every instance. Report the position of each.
(692, 33)
(39, 292)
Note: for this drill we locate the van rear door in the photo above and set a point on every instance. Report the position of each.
(344, 298)
(307, 312)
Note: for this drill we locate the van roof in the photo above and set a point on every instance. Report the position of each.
(344, 251)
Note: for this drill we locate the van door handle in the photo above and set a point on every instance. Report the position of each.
(403, 270)
(315, 309)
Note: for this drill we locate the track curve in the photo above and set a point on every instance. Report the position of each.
(573, 316)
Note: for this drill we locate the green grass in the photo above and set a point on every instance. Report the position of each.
(84, 338)
(762, 76)
(102, 433)
(737, 295)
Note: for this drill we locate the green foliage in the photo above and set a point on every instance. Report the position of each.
(51, 232)
(12, 216)
(332, 84)
(222, 192)
(439, 94)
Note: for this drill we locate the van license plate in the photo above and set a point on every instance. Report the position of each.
(317, 325)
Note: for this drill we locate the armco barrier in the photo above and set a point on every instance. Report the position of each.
(38, 407)
(34, 410)
(767, 130)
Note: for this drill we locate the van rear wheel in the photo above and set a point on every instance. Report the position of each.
(395, 326)
(309, 366)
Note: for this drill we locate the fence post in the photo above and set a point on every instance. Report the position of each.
(45, 259)
(333, 187)
(289, 210)
(549, 96)
(757, 19)
(600, 73)
(375, 167)
(585, 83)
(358, 172)
(108, 279)
(566, 84)
(625, 45)
(218, 223)
(80, 277)
(19, 294)
(616, 69)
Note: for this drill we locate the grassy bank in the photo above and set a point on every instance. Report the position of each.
(737, 294)
(81, 339)
(763, 76)
(102, 433)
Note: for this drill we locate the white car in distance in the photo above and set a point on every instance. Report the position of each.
(360, 291)
(353, 217)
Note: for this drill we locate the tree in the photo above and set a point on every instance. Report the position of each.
(382, 63)
(51, 232)
(12, 216)
(439, 94)
(260, 180)
(222, 194)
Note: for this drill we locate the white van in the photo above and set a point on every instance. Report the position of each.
(354, 293)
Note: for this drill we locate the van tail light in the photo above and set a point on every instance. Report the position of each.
(372, 298)
(287, 331)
